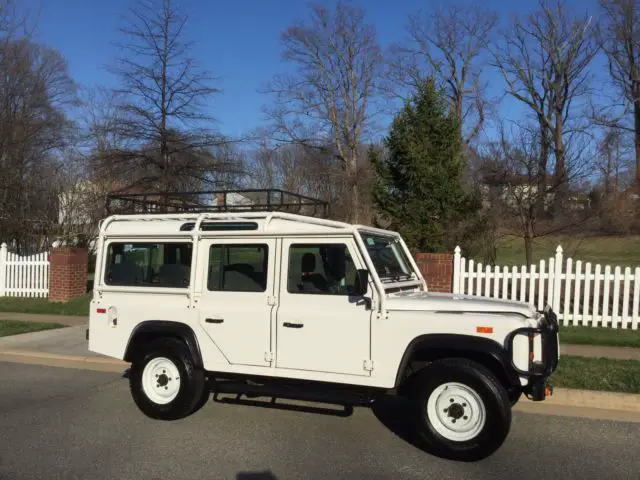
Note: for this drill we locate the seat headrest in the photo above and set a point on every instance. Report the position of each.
(308, 263)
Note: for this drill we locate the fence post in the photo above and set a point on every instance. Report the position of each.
(456, 270)
(557, 281)
(3, 269)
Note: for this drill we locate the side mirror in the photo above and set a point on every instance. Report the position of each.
(362, 282)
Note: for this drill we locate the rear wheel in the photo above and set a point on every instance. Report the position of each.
(164, 382)
(462, 411)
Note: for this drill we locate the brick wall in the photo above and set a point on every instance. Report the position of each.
(68, 273)
(437, 269)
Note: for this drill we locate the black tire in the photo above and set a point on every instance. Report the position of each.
(489, 391)
(192, 380)
(204, 398)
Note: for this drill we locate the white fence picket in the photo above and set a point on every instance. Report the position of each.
(541, 276)
(3, 268)
(505, 283)
(625, 297)
(26, 276)
(568, 276)
(616, 298)
(581, 293)
(636, 299)
(596, 318)
(586, 316)
(605, 296)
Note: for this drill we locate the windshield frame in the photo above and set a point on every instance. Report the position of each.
(400, 256)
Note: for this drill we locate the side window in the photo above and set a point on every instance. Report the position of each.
(238, 268)
(325, 268)
(149, 264)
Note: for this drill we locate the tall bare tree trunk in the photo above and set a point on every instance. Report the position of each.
(528, 244)
(541, 196)
(636, 116)
(354, 203)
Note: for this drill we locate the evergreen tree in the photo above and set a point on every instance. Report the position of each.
(417, 181)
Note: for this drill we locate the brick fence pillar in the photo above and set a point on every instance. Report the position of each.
(437, 270)
(68, 273)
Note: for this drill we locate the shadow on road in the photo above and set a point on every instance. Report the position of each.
(393, 413)
(266, 475)
(346, 411)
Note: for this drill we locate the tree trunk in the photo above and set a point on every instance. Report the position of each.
(560, 181)
(636, 118)
(542, 172)
(354, 192)
(528, 248)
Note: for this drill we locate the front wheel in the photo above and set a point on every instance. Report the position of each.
(463, 412)
(164, 382)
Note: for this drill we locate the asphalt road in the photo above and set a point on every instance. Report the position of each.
(58, 423)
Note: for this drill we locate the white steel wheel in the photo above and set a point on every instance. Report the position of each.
(456, 412)
(161, 380)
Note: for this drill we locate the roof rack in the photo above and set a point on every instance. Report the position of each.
(243, 200)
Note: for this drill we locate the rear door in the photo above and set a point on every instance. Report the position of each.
(236, 301)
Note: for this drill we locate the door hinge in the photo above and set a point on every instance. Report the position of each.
(268, 357)
(271, 301)
(368, 365)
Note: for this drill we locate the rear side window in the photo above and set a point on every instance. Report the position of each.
(150, 264)
(238, 268)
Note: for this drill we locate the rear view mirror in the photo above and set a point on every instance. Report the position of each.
(362, 282)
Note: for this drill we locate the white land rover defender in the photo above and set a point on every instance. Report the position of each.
(280, 304)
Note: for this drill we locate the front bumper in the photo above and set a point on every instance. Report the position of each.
(538, 372)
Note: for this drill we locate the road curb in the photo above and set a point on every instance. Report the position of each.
(65, 358)
(569, 397)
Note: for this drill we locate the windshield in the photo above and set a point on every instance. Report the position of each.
(388, 257)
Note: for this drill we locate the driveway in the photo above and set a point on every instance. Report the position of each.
(67, 423)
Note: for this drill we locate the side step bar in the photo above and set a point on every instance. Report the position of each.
(293, 393)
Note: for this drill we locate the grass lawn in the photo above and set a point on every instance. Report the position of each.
(15, 327)
(610, 250)
(613, 337)
(597, 374)
(76, 307)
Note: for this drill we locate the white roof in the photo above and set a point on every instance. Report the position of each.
(267, 223)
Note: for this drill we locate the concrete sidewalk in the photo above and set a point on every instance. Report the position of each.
(61, 341)
(44, 318)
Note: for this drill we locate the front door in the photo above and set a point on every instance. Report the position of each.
(321, 327)
(236, 303)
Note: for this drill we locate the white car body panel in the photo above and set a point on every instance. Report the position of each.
(343, 340)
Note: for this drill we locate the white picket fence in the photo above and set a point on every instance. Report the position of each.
(23, 276)
(580, 293)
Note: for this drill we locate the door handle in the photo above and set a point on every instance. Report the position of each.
(214, 320)
(293, 325)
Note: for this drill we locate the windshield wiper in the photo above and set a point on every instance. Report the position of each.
(395, 278)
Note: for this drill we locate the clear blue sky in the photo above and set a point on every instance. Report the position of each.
(237, 40)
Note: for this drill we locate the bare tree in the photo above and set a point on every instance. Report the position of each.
(327, 102)
(35, 92)
(509, 175)
(543, 59)
(163, 117)
(612, 163)
(620, 40)
(449, 44)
